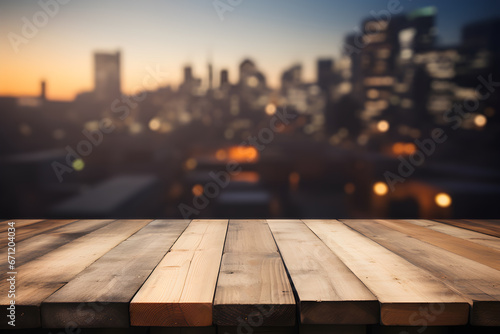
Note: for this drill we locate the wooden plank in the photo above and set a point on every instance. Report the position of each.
(18, 223)
(328, 291)
(490, 227)
(38, 279)
(36, 246)
(478, 283)
(479, 253)
(403, 289)
(33, 229)
(181, 289)
(112, 280)
(253, 283)
(472, 236)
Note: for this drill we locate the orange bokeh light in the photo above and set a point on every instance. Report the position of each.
(243, 154)
(403, 148)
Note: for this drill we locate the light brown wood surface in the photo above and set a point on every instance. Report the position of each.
(32, 229)
(468, 249)
(472, 236)
(253, 285)
(402, 288)
(255, 276)
(478, 283)
(181, 289)
(328, 291)
(489, 227)
(38, 279)
(112, 280)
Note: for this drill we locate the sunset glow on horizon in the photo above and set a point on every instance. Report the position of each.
(172, 34)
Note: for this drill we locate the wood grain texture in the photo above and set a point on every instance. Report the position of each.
(181, 289)
(489, 227)
(38, 279)
(18, 223)
(30, 230)
(112, 280)
(403, 289)
(472, 236)
(468, 249)
(39, 245)
(478, 283)
(253, 285)
(328, 291)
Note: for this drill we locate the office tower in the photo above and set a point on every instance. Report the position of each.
(422, 20)
(43, 87)
(188, 74)
(224, 78)
(291, 77)
(107, 84)
(324, 74)
(210, 76)
(250, 77)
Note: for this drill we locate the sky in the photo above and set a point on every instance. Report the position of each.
(170, 34)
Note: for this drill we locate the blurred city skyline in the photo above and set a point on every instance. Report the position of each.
(386, 109)
(173, 34)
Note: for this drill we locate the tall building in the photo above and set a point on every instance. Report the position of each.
(43, 90)
(291, 78)
(210, 76)
(224, 78)
(423, 21)
(188, 74)
(107, 79)
(250, 77)
(324, 73)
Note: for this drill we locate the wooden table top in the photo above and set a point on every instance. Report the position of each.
(254, 273)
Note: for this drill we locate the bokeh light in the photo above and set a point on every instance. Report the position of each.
(380, 188)
(443, 200)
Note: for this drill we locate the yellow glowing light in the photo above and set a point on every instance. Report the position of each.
(403, 148)
(197, 190)
(191, 163)
(221, 155)
(398, 148)
(248, 177)
(380, 188)
(383, 126)
(443, 200)
(78, 164)
(154, 124)
(246, 154)
(410, 148)
(480, 120)
(349, 188)
(270, 109)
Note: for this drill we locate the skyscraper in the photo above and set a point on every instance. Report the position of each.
(224, 78)
(188, 74)
(291, 78)
(43, 90)
(325, 73)
(107, 80)
(210, 76)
